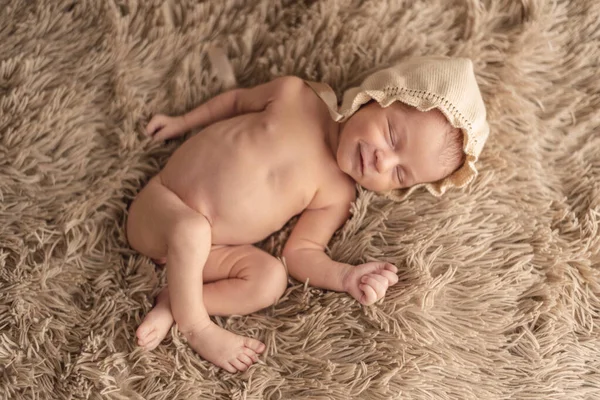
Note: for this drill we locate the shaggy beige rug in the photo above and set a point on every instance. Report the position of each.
(499, 292)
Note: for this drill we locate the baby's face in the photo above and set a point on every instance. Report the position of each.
(393, 147)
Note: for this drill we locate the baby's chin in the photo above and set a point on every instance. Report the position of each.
(348, 169)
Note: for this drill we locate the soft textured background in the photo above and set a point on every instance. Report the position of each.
(499, 284)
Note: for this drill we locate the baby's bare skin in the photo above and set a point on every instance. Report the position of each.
(250, 174)
(266, 154)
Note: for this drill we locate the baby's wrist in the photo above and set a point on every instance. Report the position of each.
(185, 123)
(344, 277)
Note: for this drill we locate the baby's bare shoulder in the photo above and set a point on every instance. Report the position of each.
(289, 83)
(336, 190)
(288, 90)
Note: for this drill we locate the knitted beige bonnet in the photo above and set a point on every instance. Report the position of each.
(425, 83)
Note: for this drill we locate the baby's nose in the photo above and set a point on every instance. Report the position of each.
(384, 161)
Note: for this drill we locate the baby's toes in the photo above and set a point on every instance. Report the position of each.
(148, 341)
(143, 330)
(254, 345)
(145, 335)
(248, 361)
(160, 261)
(229, 368)
(151, 345)
(238, 365)
(251, 354)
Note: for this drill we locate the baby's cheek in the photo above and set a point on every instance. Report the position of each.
(378, 185)
(349, 148)
(341, 158)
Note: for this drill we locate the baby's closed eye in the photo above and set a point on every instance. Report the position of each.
(399, 175)
(391, 135)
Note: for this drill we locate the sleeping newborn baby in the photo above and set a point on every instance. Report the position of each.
(281, 149)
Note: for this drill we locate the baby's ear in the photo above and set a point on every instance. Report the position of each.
(222, 67)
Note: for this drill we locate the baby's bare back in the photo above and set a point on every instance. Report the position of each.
(250, 174)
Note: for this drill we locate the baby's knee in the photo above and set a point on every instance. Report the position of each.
(273, 282)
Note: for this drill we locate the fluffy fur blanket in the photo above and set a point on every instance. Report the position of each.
(499, 292)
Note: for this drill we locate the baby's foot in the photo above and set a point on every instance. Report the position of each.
(225, 349)
(160, 261)
(157, 323)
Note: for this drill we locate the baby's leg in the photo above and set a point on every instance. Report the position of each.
(238, 280)
(160, 222)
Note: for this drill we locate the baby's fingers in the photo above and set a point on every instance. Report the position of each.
(390, 267)
(369, 296)
(391, 277)
(156, 123)
(378, 283)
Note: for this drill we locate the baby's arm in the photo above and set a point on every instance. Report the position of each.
(305, 256)
(223, 106)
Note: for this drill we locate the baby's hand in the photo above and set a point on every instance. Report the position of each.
(164, 127)
(368, 282)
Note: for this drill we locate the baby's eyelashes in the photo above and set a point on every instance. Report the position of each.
(391, 135)
(399, 175)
